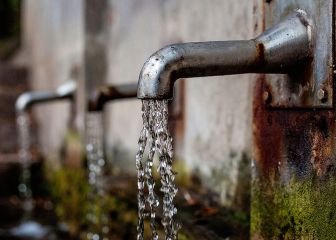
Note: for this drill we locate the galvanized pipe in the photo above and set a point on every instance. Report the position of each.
(28, 99)
(100, 96)
(277, 50)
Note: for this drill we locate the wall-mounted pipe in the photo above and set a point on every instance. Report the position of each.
(100, 96)
(280, 49)
(28, 99)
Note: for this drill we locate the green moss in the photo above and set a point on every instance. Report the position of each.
(73, 205)
(73, 135)
(183, 236)
(299, 209)
(183, 176)
(69, 192)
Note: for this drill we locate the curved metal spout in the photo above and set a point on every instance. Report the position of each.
(28, 99)
(104, 94)
(278, 50)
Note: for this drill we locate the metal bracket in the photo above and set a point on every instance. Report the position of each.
(312, 85)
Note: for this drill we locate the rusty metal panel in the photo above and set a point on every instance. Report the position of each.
(294, 172)
(294, 158)
(311, 87)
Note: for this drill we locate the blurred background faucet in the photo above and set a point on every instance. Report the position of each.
(101, 95)
(28, 99)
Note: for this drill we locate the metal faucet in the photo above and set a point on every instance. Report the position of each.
(28, 99)
(104, 94)
(281, 49)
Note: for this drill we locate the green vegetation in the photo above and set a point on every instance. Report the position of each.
(69, 193)
(297, 210)
(73, 205)
(182, 236)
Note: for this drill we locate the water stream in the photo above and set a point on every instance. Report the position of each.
(95, 151)
(96, 166)
(155, 135)
(25, 157)
(28, 228)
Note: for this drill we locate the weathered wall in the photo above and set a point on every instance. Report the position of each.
(217, 110)
(217, 128)
(53, 45)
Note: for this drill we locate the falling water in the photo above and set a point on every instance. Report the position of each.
(28, 228)
(96, 167)
(95, 151)
(155, 133)
(23, 123)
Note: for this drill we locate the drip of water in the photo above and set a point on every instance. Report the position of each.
(27, 228)
(155, 132)
(23, 124)
(95, 151)
(96, 166)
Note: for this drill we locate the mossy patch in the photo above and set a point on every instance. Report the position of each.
(69, 193)
(89, 213)
(295, 210)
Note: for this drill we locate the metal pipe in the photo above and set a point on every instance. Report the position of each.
(277, 50)
(104, 94)
(28, 99)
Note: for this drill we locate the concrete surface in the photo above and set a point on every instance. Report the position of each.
(217, 133)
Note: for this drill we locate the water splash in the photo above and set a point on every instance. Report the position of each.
(155, 132)
(96, 166)
(23, 124)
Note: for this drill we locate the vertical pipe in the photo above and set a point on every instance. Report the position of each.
(95, 59)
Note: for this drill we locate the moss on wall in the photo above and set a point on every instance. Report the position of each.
(295, 210)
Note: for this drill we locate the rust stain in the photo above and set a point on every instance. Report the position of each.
(268, 135)
(260, 54)
(301, 140)
(323, 144)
